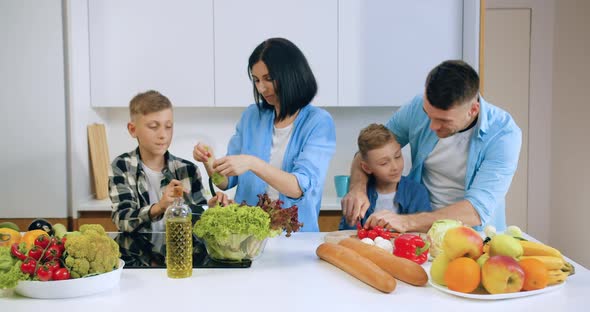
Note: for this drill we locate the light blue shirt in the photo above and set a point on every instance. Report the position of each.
(307, 157)
(493, 155)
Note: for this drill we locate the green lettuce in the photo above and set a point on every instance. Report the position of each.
(234, 232)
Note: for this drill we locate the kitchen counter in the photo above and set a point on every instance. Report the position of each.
(290, 277)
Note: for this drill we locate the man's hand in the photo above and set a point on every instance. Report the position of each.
(354, 206)
(220, 198)
(388, 220)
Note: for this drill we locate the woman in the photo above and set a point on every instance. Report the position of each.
(283, 144)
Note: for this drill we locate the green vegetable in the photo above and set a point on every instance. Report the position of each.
(437, 232)
(91, 251)
(10, 272)
(234, 232)
(217, 178)
(59, 230)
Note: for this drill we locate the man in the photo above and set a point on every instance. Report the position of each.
(464, 150)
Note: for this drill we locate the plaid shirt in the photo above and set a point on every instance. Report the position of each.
(128, 189)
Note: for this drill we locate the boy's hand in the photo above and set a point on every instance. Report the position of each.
(170, 193)
(220, 198)
(388, 220)
(354, 206)
(202, 153)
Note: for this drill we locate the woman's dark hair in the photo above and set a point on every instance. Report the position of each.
(451, 83)
(294, 83)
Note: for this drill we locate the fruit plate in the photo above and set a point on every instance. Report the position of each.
(481, 294)
(70, 288)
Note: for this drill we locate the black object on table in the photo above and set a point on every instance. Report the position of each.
(148, 250)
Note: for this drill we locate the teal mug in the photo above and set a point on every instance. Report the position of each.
(341, 182)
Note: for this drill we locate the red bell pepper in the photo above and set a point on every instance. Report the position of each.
(411, 247)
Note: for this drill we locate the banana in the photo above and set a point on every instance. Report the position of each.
(568, 268)
(551, 263)
(556, 277)
(538, 249)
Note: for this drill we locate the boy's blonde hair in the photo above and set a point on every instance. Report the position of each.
(372, 137)
(148, 102)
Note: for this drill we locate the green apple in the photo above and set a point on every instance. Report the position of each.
(438, 268)
(462, 242)
(505, 245)
(502, 274)
(482, 259)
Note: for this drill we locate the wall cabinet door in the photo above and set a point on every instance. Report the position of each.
(387, 47)
(241, 25)
(137, 45)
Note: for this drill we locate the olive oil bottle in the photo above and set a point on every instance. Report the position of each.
(179, 240)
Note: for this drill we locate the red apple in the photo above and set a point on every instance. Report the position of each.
(462, 242)
(502, 274)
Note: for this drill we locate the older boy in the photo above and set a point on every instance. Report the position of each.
(142, 181)
(389, 192)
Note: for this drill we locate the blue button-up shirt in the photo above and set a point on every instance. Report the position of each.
(307, 157)
(493, 155)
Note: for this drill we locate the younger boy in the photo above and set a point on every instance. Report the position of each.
(142, 182)
(389, 192)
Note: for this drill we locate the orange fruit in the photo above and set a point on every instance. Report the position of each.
(536, 275)
(463, 275)
(30, 236)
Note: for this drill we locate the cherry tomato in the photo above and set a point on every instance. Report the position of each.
(61, 274)
(362, 233)
(57, 242)
(378, 229)
(372, 234)
(385, 235)
(36, 252)
(52, 252)
(44, 273)
(358, 226)
(28, 266)
(42, 241)
(53, 265)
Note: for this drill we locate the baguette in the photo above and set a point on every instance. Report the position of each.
(356, 265)
(400, 268)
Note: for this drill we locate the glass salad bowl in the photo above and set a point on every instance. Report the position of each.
(237, 247)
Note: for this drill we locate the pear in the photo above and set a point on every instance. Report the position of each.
(505, 245)
(438, 269)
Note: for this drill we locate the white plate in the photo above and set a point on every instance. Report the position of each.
(486, 296)
(70, 288)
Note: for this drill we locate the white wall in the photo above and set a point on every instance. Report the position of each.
(32, 110)
(570, 183)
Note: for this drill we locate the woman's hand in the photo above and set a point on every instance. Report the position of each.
(220, 198)
(202, 153)
(234, 165)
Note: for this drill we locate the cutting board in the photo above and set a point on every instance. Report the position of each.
(99, 159)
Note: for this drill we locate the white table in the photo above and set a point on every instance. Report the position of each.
(290, 277)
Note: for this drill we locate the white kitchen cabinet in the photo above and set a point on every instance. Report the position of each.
(242, 25)
(137, 45)
(387, 47)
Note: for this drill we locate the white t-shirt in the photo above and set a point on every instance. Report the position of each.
(385, 202)
(444, 169)
(280, 140)
(154, 178)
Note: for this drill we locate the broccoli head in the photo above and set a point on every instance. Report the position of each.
(91, 252)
